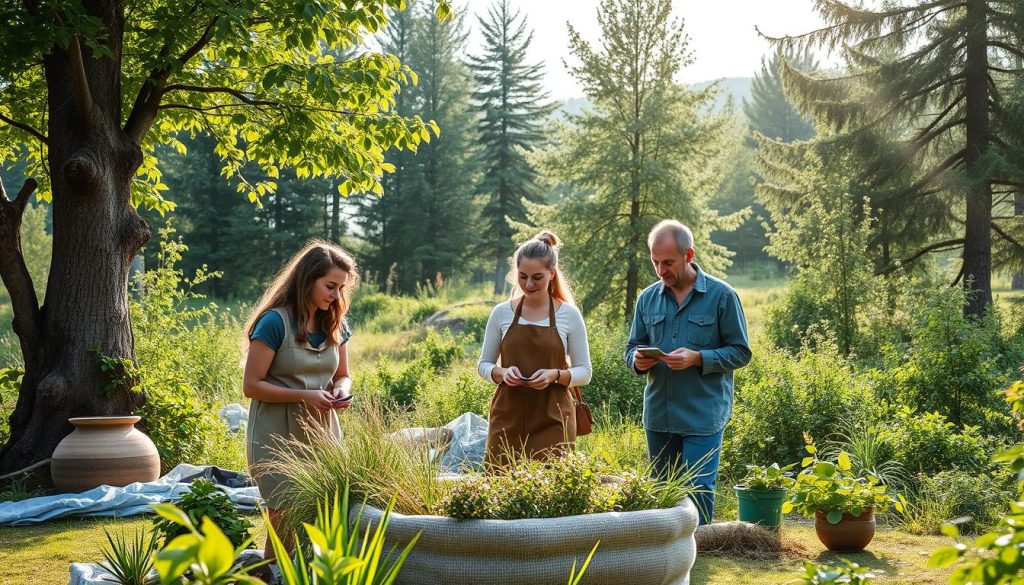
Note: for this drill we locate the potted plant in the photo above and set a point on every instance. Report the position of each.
(762, 492)
(843, 505)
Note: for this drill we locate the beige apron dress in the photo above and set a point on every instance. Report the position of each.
(299, 366)
(539, 423)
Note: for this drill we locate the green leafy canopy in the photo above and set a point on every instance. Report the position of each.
(277, 83)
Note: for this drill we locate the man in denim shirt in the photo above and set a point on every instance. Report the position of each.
(697, 321)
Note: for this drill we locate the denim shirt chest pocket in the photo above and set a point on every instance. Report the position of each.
(655, 327)
(700, 329)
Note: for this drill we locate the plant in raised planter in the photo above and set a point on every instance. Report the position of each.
(843, 505)
(761, 493)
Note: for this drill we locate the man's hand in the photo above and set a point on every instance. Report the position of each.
(682, 358)
(643, 363)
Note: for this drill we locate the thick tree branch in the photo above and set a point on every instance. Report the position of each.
(27, 322)
(1007, 47)
(80, 82)
(936, 247)
(1007, 237)
(25, 128)
(147, 102)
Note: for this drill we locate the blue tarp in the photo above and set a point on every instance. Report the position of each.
(129, 500)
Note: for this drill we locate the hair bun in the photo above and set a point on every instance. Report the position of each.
(548, 238)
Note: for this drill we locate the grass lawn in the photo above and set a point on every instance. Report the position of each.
(895, 557)
(41, 554)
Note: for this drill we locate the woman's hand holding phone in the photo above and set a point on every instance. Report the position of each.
(542, 379)
(513, 377)
(341, 394)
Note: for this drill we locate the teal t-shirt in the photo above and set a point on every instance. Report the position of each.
(270, 330)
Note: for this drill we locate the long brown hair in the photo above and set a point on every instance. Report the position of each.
(543, 246)
(292, 285)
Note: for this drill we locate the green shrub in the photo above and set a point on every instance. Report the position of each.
(927, 443)
(993, 557)
(403, 384)
(618, 440)
(451, 395)
(848, 573)
(614, 389)
(573, 484)
(206, 500)
(951, 364)
(182, 427)
(439, 350)
(10, 384)
(780, 396)
(474, 319)
(424, 309)
(366, 306)
(975, 500)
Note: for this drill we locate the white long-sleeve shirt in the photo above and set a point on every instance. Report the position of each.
(571, 329)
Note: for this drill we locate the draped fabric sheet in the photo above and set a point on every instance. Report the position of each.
(130, 500)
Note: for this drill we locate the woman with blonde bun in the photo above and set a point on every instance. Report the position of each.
(536, 334)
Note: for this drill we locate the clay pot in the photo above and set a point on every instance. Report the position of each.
(851, 534)
(103, 450)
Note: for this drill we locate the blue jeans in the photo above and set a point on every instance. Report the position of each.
(666, 450)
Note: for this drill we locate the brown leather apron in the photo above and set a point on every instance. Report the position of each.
(523, 420)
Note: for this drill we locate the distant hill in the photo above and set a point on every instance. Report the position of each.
(737, 88)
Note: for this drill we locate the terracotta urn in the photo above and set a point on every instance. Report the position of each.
(851, 534)
(103, 450)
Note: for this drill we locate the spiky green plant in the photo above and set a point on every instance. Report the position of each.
(130, 559)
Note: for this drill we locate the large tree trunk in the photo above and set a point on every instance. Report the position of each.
(1018, 210)
(977, 255)
(96, 233)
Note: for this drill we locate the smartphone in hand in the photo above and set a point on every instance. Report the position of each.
(343, 400)
(650, 352)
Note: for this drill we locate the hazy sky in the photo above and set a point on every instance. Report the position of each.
(722, 36)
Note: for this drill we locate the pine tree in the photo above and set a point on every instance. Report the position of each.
(446, 229)
(769, 111)
(385, 220)
(922, 104)
(643, 153)
(221, 228)
(424, 225)
(514, 110)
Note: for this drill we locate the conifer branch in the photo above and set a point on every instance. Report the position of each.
(943, 246)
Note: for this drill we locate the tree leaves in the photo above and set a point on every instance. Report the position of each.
(275, 83)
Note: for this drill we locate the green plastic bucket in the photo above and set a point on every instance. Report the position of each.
(762, 507)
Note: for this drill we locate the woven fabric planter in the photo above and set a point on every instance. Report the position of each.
(650, 547)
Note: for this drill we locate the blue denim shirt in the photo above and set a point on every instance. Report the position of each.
(697, 400)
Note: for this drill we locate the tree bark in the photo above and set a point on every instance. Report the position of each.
(96, 233)
(1018, 209)
(977, 254)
